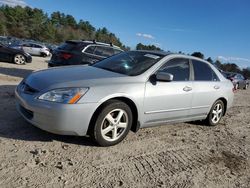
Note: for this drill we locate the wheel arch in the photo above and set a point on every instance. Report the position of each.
(135, 124)
(224, 100)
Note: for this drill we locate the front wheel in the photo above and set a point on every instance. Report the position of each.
(216, 113)
(19, 59)
(113, 123)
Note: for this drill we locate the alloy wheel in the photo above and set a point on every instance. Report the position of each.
(19, 59)
(217, 113)
(114, 125)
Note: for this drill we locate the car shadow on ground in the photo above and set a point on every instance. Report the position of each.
(13, 126)
(16, 72)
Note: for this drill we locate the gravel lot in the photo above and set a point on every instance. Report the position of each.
(180, 155)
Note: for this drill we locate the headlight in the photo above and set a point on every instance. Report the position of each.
(64, 95)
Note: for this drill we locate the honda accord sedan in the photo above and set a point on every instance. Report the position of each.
(128, 91)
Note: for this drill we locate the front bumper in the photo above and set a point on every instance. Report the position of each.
(28, 59)
(64, 119)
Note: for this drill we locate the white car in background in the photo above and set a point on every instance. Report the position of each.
(35, 49)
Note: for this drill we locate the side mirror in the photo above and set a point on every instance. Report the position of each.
(163, 76)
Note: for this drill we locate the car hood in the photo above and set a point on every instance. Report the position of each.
(71, 76)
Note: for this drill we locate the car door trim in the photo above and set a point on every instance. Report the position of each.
(162, 111)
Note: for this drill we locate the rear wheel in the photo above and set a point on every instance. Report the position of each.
(113, 123)
(237, 86)
(19, 59)
(246, 86)
(216, 113)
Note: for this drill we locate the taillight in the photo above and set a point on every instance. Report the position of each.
(66, 55)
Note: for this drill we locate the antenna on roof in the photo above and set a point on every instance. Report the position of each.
(94, 41)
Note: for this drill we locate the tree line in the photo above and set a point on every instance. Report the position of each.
(33, 23)
(227, 67)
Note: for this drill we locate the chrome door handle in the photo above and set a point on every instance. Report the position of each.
(186, 88)
(216, 87)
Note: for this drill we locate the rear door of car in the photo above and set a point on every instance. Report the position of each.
(95, 53)
(88, 56)
(241, 81)
(206, 88)
(169, 101)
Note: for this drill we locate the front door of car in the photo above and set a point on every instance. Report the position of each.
(27, 48)
(169, 101)
(4, 53)
(207, 88)
(36, 49)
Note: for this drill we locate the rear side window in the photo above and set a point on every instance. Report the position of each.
(178, 67)
(116, 51)
(203, 72)
(36, 46)
(90, 49)
(104, 51)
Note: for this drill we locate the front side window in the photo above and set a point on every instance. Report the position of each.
(129, 63)
(203, 72)
(178, 67)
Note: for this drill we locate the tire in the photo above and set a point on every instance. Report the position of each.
(113, 123)
(19, 59)
(246, 86)
(43, 55)
(237, 86)
(216, 113)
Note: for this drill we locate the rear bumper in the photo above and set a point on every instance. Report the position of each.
(63, 119)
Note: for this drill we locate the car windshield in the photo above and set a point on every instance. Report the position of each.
(130, 63)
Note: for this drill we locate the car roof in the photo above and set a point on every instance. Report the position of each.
(87, 42)
(156, 52)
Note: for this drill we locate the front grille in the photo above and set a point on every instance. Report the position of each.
(27, 89)
(27, 113)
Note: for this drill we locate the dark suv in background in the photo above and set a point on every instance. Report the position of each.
(75, 52)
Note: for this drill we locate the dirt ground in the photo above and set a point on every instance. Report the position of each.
(180, 155)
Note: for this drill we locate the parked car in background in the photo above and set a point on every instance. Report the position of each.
(35, 49)
(75, 52)
(238, 80)
(124, 92)
(14, 55)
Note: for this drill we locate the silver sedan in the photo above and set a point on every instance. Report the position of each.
(125, 92)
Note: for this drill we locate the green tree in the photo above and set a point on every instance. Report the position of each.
(210, 60)
(198, 54)
(141, 46)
